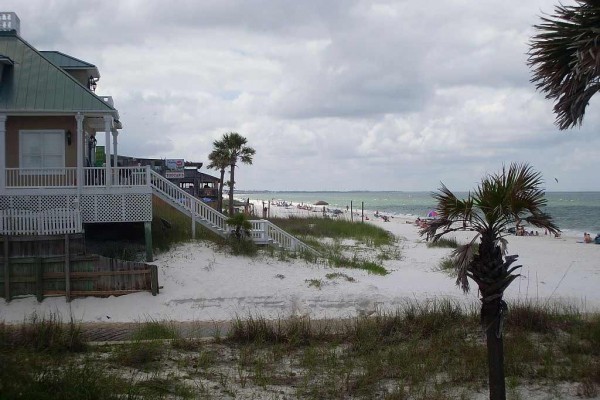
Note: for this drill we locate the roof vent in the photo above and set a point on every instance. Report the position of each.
(10, 22)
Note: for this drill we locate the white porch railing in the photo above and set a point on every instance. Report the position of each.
(48, 222)
(38, 177)
(121, 176)
(56, 221)
(67, 177)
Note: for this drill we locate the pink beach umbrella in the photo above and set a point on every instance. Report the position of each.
(432, 214)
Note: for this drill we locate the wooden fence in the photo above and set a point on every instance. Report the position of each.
(33, 266)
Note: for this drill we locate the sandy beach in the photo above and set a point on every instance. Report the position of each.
(200, 283)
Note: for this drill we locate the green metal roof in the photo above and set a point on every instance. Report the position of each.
(34, 85)
(68, 62)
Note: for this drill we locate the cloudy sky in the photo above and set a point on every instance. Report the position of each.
(333, 95)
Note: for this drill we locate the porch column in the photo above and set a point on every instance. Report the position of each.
(107, 129)
(2, 152)
(80, 150)
(115, 133)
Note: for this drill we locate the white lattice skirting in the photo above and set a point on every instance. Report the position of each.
(133, 207)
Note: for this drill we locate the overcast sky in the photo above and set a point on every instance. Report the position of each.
(333, 95)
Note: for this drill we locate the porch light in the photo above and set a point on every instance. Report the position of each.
(69, 138)
(92, 83)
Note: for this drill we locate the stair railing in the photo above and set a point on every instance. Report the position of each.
(262, 232)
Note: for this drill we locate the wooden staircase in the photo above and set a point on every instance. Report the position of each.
(263, 232)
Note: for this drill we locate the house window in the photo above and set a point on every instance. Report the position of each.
(42, 149)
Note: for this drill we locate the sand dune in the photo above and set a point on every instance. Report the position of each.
(203, 284)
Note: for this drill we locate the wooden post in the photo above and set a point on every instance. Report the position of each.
(362, 211)
(39, 279)
(154, 279)
(351, 212)
(148, 237)
(67, 268)
(193, 222)
(6, 271)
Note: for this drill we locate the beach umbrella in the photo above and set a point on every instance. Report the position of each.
(432, 214)
(321, 203)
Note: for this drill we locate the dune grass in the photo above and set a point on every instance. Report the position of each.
(423, 350)
(451, 243)
(368, 234)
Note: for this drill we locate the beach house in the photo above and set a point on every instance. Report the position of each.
(54, 178)
(50, 119)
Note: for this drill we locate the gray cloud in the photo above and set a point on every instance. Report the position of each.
(337, 95)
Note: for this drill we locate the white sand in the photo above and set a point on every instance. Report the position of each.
(202, 284)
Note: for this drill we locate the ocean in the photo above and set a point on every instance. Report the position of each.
(574, 212)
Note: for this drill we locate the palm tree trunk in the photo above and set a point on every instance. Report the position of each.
(491, 317)
(231, 185)
(220, 199)
(488, 265)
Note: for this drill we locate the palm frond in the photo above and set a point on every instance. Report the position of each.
(565, 58)
(462, 258)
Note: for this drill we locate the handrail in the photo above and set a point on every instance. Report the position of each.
(188, 202)
(262, 231)
(281, 237)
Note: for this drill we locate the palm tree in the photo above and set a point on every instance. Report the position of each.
(241, 224)
(500, 201)
(234, 145)
(219, 159)
(564, 56)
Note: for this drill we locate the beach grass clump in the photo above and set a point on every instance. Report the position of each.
(368, 234)
(154, 330)
(450, 243)
(316, 283)
(81, 379)
(340, 275)
(356, 262)
(242, 247)
(294, 331)
(143, 355)
(47, 333)
(532, 316)
(163, 387)
(414, 320)
(446, 264)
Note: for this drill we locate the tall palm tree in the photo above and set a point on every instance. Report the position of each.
(235, 146)
(500, 201)
(219, 159)
(565, 58)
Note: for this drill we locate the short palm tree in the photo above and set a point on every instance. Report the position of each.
(219, 159)
(565, 58)
(235, 146)
(241, 225)
(500, 201)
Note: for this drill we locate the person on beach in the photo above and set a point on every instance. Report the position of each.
(587, 238)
